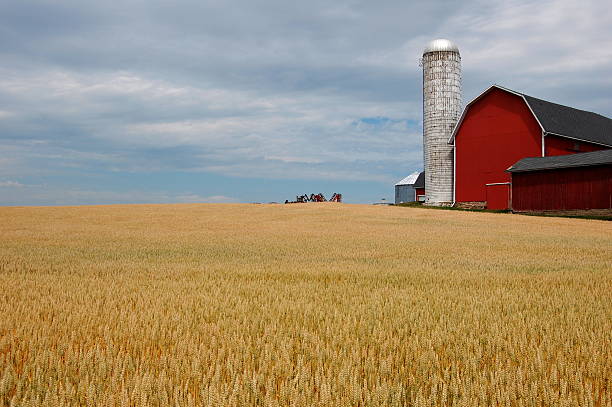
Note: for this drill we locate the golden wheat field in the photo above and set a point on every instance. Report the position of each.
(302, 305)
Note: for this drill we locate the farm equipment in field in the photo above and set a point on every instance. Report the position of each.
(316, 198)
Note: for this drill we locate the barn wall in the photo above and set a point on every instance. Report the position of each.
(563, 189)
(562, 146)
(498, 196)
(497, 131)
(420, 191)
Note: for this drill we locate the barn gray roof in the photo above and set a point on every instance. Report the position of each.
(558, 120)
(602, 157)
(570, 122)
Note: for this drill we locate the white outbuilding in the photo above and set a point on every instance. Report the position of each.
(405, 190)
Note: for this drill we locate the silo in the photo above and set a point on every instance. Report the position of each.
(441, 110)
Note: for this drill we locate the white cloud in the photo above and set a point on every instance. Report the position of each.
(537, 44)
(231, 127)
(11, 184)
(289, 159)
(50, 195)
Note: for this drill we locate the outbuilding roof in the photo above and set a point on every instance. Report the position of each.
(409, 180)
(420, 181)
(559, 120)
(601, 157)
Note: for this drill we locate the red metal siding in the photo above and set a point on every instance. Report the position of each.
(497, 131)
(562, 146)
(563, 189)
(419, 192)
(498, 196)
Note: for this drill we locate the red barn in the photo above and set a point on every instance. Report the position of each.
(568, 182)
(501, 127)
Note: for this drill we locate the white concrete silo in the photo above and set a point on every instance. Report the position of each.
(441, 110)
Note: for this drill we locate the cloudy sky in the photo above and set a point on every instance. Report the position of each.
(259, 100)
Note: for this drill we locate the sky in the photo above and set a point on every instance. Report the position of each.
(163, 101)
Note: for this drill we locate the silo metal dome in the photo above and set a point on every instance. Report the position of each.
(441, 45)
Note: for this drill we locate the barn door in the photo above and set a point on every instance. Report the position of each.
(498, 196)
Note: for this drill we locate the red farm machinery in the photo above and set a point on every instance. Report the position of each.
(336, 197)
